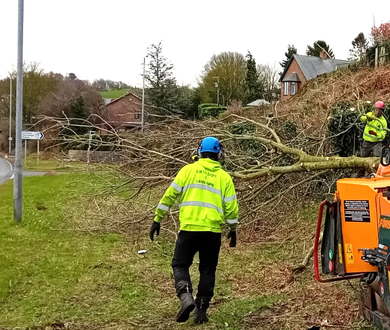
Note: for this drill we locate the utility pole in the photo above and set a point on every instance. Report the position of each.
(18, 167)
(10, 116)
(143, 100)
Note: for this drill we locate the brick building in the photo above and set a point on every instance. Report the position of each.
(302, 68)
(124, 112)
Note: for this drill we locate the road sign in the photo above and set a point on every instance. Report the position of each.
(29, 135)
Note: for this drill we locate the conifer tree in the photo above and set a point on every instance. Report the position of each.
(291, 50)
(162, 84)
(253, 88)
(78, 114)
(359, 48)
(317, 47)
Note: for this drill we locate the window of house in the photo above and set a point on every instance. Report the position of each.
(137, 115)
(293, 88)
(285, 90)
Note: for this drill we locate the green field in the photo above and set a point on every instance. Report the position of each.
(113, 94)
(58, 271)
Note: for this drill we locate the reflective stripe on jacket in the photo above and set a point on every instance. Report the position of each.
(377, 125)
(207, 197)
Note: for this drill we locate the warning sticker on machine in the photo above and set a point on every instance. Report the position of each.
(358, 211)
(349, 253)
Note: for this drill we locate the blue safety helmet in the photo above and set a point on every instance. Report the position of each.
(210, 144)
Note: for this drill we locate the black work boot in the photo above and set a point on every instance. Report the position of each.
(200, 315)
(187, 303)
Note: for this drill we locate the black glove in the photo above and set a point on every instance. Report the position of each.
(233, 238)
(154, 229)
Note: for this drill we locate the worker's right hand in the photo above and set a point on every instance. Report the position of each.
(233, 238)
(154, 229)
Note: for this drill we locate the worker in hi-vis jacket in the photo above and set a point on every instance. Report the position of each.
(374, 131)
(207, 201)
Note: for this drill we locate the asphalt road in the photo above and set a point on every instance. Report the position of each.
(6, 171)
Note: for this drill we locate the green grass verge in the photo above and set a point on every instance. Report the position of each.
(32, 164)
(51, 272)
(61, 165)
(42, 267)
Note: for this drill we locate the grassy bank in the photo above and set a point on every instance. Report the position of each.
(55, 275)
(113, 94)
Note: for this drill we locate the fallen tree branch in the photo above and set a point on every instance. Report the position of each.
(302, 266)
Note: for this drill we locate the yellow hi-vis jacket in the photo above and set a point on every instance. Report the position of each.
(207, 197)
(375, 124)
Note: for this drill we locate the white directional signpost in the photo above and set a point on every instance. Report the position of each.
(31, 135)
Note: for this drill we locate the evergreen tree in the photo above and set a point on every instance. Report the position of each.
(162, 91)
(359, 48)
(253, 90)
(291, 50)
(319, 46)
(185, 99)
(78, 113)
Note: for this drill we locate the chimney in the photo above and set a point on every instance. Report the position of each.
(323, 54)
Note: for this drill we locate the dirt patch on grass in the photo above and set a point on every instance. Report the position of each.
(59, 325)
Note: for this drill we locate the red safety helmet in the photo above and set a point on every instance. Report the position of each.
(380, 105)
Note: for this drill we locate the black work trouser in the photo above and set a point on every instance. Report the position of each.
(368, 148)
(208, 245)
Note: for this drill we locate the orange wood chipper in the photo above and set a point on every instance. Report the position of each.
(356, 240)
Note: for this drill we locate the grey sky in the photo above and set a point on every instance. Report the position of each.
(108, 39)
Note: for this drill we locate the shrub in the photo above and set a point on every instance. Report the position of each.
(210, 110)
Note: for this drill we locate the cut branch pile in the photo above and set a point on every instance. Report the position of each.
(278, 163)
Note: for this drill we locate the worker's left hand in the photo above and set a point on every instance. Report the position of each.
(233, 238)
(372, 133)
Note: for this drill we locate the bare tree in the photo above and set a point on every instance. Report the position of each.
(223, 77)
(269, 78)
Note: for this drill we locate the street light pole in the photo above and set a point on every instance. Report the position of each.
(143, 100)
(18, 166)
(10, 116)
(217, 87)
(216, 84)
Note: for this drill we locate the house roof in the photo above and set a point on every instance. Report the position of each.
(258, 102)
(292, 77)
(119, 98)
(312, 66)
